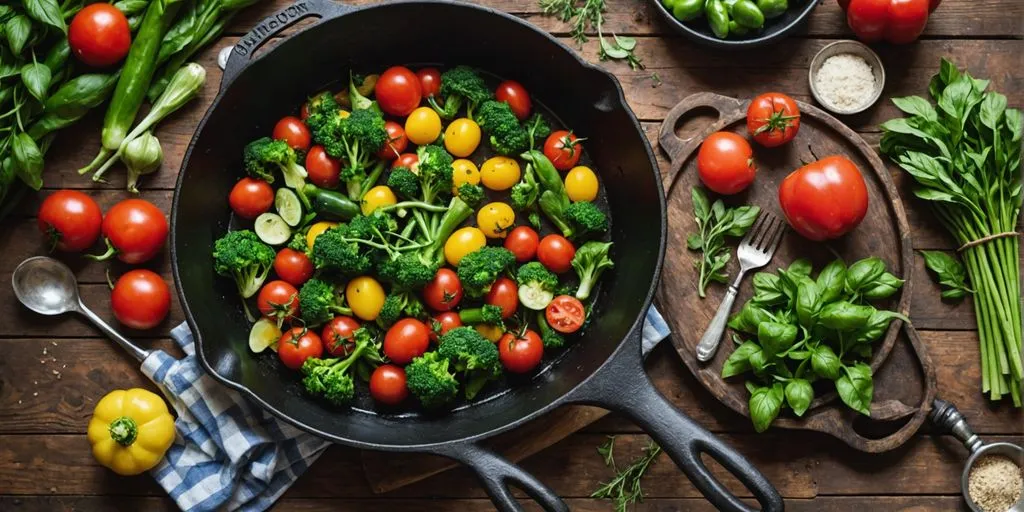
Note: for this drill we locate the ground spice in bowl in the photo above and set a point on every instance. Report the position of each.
(995, 483)
(845, 81)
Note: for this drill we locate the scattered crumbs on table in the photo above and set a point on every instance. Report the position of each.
(54, 343)
(845, 81)
(35, 393)
(655, 80)
(995, 483)
(44, 351)
(19, 401)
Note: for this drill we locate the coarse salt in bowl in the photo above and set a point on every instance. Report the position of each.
(846, 77)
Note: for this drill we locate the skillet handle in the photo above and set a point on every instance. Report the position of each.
(242, 53)
(496, 473)
(621, 385)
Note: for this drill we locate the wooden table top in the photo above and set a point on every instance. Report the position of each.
(53, 370)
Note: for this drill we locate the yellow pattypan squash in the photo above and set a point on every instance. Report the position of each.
(130, 430)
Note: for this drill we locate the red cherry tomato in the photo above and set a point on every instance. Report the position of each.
(564, 149)
(70, 219)
(523, 242)
(323, 170)
(398, 91)
(140, 299)
(824, 199)
(297, 345)
(430, 81)
(293, 266)
(556, 253)
(337, 336)
(406, 340)
(293, 131)
(505, 294)
(304, 111)
(565, 314)
(136, 229)
(895, 21)
(773, 119)
(397, 141)
(515, 95)
(278, 301)
(408, 160)
(387, 384)
(99, 35)
(251, 197)
(444, 292)
(520, 354)
(725, 163)
(443, 323)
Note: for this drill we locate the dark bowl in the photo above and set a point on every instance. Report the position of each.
(775, 28)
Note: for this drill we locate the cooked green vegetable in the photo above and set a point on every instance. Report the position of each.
(486, 314)
(243, 257)
(550, 337)
(319, 302)
(537, 285)
(460, 86)
(572, 219)
(590, 261)
(332, 205)
(331, 379)
(430, 381)
(263, 156)
(472, 356)
(715, 222)
(479, 269)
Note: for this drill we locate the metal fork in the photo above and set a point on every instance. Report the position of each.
(755, 251)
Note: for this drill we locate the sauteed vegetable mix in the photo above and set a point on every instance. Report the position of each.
(423, 232)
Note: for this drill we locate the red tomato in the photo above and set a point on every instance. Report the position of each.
(515, 95)
(430, 81)
(397, 141)
(556, 253)
(773, 119)
(251, 197)
(293, 266)
(337, 336)
(278, 301)
(405, 340)
(563, 149)
(304, 111)
(70, 219)
(408, 160)
(520, 354)
(323, 170)
(444, 292)
(565, 314)
(99, 35)
(725, 163)
(505, 294)
(824, 199)
(140, 299)
(293, 131)
(387, 384)
(398, 91)
(895, 21)
(522, 241)
(297, 345)
(136, 231)
(443, 323)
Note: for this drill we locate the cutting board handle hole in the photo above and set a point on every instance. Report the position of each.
(693, 123)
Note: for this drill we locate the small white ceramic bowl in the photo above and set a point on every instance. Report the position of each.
(856, 48)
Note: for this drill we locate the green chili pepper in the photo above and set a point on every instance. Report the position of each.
(735, 29)
(330, 204)
(729, 4)
(718, 18)
(746, 13)
(773, 8)
(687, 10)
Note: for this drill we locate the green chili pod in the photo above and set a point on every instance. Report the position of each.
(329, 203)
(773, 8)
(687, 10)
(746, 13)
(718, 18)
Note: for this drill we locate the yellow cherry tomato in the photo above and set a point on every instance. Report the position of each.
(343, 114)
(491, 332)
(365, 296)
(581, 184)
(130, 430)
(378, 196)
(462, 137)
(495, 219)
(423, 126)
(463, 242)
(500, 173)
(464, 171)
(316, 230)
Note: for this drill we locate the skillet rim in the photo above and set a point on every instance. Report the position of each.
(624, 344)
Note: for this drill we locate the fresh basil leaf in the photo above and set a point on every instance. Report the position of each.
(46, 12)
(799, 395)
(768, 289)
(953, 294)
(856, 388)
(863, 273)
(884, 287)
(751, 387)
(844, 316)
(694, 242)
(800, 267)
(950, 272)
(775, 337)
(825, 362)
(718, 210)
(916, 106)
(808, 303)
(131, 7)
(739, 361)
(18, 29)
(758, 362)
(743, 218)
(765, 404)
(701, 207)
(36, 77)
(876, 326)
(27, 160)
(749, 318)
(948, 72)
(799, 355)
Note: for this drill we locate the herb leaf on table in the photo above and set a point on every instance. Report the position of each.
(951, 273)
(624, 488)
(591, 14)
(715, 221)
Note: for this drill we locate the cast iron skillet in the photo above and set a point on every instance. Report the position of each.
(604, 368)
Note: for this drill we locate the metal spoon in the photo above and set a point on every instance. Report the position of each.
(48, 287)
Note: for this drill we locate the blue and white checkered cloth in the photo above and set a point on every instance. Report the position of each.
(229, 454)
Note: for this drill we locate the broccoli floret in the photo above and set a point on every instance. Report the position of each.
(406, 272)
(506, 136)
(319, 302)
(486, 314)
(479, 269)
(550, 337)
(471, 355)
(242, 256)
(590, 261)
(537, 285)
(262, 156)
(523, 195)
(537, 128)
(330, 379)
(430, 381)
(298, 242)
(397, 306)
(435, 171)
(460, 86)
(354, 138)
(405, 183)
(324, 113)
(586, 218)
(358, 101)
(473, 195)
(334, 251)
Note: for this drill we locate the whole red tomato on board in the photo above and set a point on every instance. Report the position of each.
(70, 219)
(895, 21)
(824, 199)
(99, 35)
(773, 119)
(297, 345)
(725, 163)
(140, 299)
(442, 323)
(505, 294)
(135, 231)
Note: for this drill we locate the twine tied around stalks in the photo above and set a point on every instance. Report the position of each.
(989, 238)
